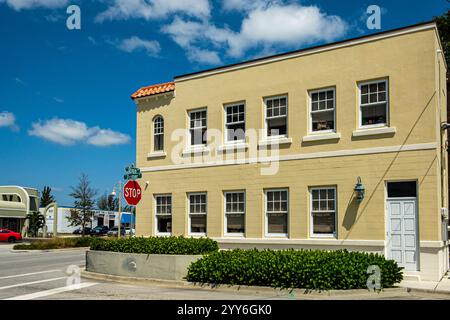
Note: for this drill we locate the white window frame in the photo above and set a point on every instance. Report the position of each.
(202, 127)
(377, 125)
(226, 106)
(199, 234)
(266, 220)
(158, 134)
(265, 99)
(232, 234)
(311, 92)
(156, 213)
(311, 219)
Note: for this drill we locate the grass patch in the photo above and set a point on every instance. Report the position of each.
(56, 243)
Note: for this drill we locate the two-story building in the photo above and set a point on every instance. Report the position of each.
(330, 147)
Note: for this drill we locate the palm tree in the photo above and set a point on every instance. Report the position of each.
(46, 197)
(35, 221)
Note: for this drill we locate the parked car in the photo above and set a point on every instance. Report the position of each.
(87, 231)
(114, 231)
(10, 236)
(99, 231)
(128, 229)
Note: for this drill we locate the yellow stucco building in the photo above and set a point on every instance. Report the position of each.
(267, 153)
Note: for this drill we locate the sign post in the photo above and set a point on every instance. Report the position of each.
(132, 191)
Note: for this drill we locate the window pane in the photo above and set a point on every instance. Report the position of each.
(382, 86)
(164, 223)
(235, 223)
(364, 89)
(276, 126)
(375, 114)
(365, 99)
(277, 223)
(236, 132)
(322, 120)
(323, 223)
(198, 223)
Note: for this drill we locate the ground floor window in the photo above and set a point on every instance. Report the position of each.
(197, 213)
(277, 212)
(163, 214)
(323, 211)
(235, 213)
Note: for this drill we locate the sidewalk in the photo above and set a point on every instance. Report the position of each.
(442, 287)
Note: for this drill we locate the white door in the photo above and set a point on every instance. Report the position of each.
(402, 232)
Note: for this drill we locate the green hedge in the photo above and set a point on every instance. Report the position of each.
(55, 243)
(157, 245)
(308, 269)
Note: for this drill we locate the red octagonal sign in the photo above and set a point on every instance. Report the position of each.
(132, 192)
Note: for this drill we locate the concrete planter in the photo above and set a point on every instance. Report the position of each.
(152, 266)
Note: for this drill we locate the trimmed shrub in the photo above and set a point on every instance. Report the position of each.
(307, 269)
(157, 245)
(55, 243)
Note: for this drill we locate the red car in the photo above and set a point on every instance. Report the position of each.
(10, 236)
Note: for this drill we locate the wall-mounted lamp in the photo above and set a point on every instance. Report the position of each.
(359, 190)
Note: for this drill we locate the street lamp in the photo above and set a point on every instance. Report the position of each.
(113, 193)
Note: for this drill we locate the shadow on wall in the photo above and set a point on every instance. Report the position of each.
(350, 213)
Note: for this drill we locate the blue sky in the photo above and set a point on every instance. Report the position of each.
(64, 94)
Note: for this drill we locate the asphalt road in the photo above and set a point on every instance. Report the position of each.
(53, 275)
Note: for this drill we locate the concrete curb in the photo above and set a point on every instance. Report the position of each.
(429, 291)
(51, 250)
(234, 288)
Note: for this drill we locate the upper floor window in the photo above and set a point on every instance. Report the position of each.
(373, 103)
(322, 108)
(276, 116)
(235, 122)
(198, 127)
(158, 133)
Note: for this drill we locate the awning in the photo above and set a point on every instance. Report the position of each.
(125, 218)
(9, 209)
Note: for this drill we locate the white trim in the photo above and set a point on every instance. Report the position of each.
(310, 131)
(154, 97)
(281, 136)
(238, 146)
(196, 149)
(376, 125)
(189, 112)
(299, 156)
(197, 234)
(311, 220)
(225, 224)
(156, 154)
(306, 52)
(321, 136)
(371, 132)
(266, 221)
(277, 140)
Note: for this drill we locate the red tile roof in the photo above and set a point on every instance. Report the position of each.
(154, 89)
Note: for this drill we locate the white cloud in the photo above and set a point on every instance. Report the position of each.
(31, 4)
(8, 120)
(203, 56)
(242, 6)
(69, 132)
(154, 9)
(134, 43)
(263, 27)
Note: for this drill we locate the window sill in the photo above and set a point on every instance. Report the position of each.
(163, 234)
(234, 235)
(321, 136)
(376, 131)
(156, 154)
(195, 150)
(238, 146)
(197, 235)
(277, 235)
(324, 236)
(274, 141)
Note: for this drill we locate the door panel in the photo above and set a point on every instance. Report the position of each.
(402, 232)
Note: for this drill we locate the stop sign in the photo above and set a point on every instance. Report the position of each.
(132, 192)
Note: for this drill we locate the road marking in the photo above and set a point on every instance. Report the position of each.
(28, 274)
(50, 292)
(32, 282)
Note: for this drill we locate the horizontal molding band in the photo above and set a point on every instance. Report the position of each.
(300, 156)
